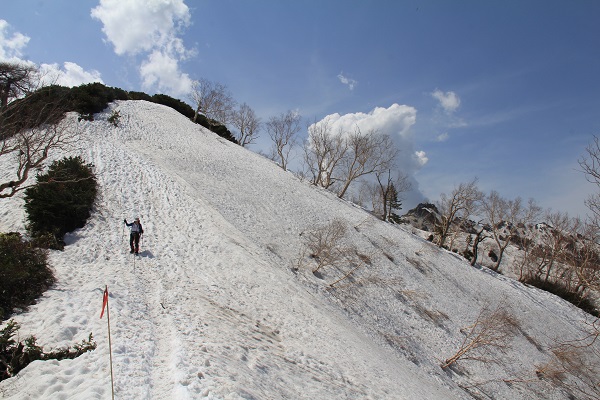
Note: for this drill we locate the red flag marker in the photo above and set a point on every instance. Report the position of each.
(104, 301)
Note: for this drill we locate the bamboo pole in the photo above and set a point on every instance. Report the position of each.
(105, 304)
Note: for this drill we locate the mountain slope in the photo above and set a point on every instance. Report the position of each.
(214, 307)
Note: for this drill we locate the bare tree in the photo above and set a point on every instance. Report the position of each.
(323, 152)
(29, 143)
(283, 130)
(337, 159)
(367, 153)
(213, 100)
(493, 329)
(527, 260)
(554, 242)
(325, 244)
(16, 80)
(586, 258)
(456, 207)
(244, 119)
(387, 192)
(583, 257)
(505, 217)
(472, 208)
(575, 364)
(590, 165)
(480, 236)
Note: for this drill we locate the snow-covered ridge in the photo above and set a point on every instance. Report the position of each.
(213, 308)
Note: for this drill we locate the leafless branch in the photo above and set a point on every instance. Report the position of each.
(28, 136)
(213, 100)
(244, 119)
(492, 330)
(283, 130)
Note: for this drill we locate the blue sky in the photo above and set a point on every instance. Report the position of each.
(506, 91)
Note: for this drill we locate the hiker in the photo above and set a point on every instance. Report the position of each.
(134, 237)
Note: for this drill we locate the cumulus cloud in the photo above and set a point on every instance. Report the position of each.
(421, 157)
(149, 28)
(351, 83)
(162, 71)
(11, 44)
(69, 75)
(395, 120)
(449, 100)
(136, 26)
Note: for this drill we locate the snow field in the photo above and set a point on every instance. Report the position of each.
(211, 308)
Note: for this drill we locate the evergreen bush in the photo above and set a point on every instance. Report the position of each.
(132, 95)
(216, 127)
(14, 356)
(61, 200)
(562, 291)
(24, 273)
(45, 106)
(188, 111)
(115, 118)
(93, 98)
(49, 104)
(175, 104)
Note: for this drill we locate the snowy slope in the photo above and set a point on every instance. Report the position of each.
(213, 308)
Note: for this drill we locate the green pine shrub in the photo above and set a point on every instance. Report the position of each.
(93, 98)
(115, 118)
(216, 127)
(47, 105)
(188, 111)
(24, 273)
(175, 104)
(133, 95)
(61, 200)
(14, 356)
(561, 290)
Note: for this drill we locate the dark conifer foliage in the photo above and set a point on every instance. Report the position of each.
(61, 200)
(87, 100)
(394, 205)
(16, 354)
(24, 274)
(93, 98)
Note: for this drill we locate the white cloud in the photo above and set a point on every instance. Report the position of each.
(351, 83)
(395, 120)
(421, 157)
(135, 26)
(70, 75)
(162, 71)
(150, 28)
(449, 100)
(11, 44)
(442, 137)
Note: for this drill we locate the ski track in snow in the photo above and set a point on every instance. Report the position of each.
(211, 309)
